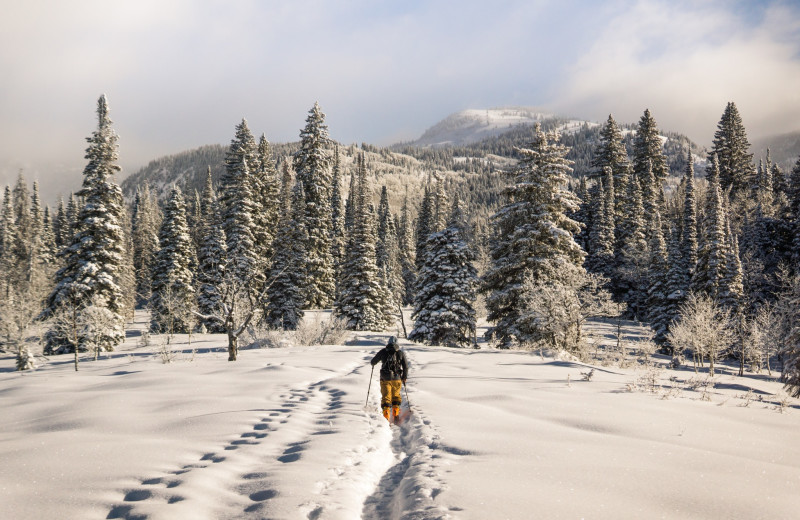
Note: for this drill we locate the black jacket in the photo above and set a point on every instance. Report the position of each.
(383, 356)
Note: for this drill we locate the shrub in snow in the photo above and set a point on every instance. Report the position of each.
(317, 330)
(25, 358)
(702, 328)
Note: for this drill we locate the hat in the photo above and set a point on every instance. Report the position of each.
(393, 343)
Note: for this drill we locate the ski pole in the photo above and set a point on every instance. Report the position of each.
(370, 385)
(407, 399)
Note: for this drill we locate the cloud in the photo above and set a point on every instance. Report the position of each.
(685, 61)
(182, 73)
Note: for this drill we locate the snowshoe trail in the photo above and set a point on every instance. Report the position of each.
(273, 468)
(410, 488)
(290, 463)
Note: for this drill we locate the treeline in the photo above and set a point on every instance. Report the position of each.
(282, 232)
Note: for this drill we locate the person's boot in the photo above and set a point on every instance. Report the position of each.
(396, 414)
(386, 414)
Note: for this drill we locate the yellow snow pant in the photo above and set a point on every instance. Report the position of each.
(390, 396)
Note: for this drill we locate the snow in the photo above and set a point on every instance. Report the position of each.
(284, 433)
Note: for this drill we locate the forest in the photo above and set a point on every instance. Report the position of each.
(534, 230)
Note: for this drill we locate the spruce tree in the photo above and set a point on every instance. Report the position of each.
(424, 226)
(211, 258)
(632, 251)
(731, 147)
(406, 254)
(287, 295)
(689, 229)
(443, 309)
(92, 261)
(266, 190)
(337, 216)
(173, 296)
(712, 256)
(658, 280)
(60, 224)
(312, 166)
(364, 303)
(146, 221)
(237, 208)
(611, 153)
(534, 237)
(648, 153)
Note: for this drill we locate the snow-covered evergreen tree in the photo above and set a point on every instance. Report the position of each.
(611, 153)
(287, 295)
(658, 280)
(337, 215)
(534, 239)
(364, 303)
(60, 224)
(732, 149)
(405, 251)
(424, 226)
(92, 261)
(211, 258)
(173, 298)
(443, 309)
(631, 251)
(146, 221)
(689, 229)
(266, 190)
(712, 257)
(237, 208)
(312, 166)
(386, 252)
(648, 153)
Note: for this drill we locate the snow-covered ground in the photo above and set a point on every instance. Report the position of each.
(285, 433)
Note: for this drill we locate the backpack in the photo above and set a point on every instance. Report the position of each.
(393, 363)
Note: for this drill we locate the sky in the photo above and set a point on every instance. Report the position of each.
(179, 74)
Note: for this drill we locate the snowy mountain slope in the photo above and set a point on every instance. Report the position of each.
(472, 125)
(284, 433)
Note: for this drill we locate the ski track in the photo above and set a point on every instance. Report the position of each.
(388, 473)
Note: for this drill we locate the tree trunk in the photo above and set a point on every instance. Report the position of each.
(233, 345)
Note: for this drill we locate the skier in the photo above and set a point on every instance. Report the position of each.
(394, 371)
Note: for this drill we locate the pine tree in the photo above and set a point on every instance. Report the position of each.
(611, 153)
(731, 147)
(266, 190)
(534, 237)
(173, 296)
(49, 248)
(348, 207)
(211, 257)
(363, 301)
(60, 224)
(287, 295)
(312, 165)
(92, 261)
(337, 216)
(658, 280)
(73, 210)
(712, 256)
(443, 309)
(237, 208)
(631, 251)
(440, 207)
(424, 226)
(146, 221)
(689, 229)
(386, 254)
(793, 190)
(648, 153)
(406, 254)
